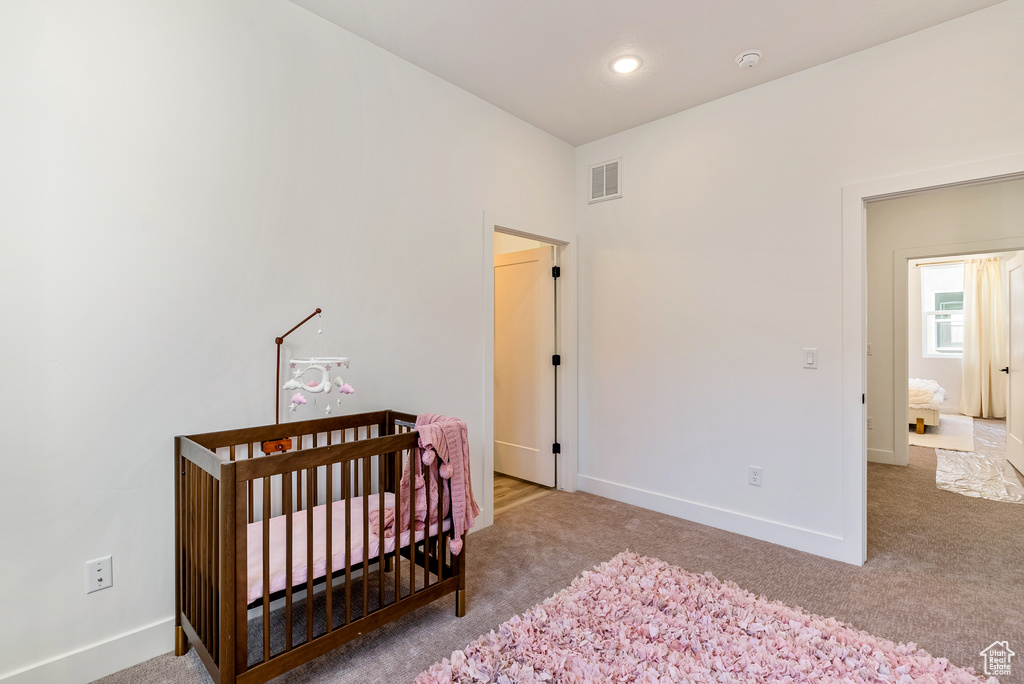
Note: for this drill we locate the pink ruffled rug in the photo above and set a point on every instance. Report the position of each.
(638, 619)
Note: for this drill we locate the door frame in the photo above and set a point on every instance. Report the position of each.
(854, 314)
(565, 256)
(1009, 363)
(901, 321)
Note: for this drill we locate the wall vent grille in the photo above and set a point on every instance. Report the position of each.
(606, 181)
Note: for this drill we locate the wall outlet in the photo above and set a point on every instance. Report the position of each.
(754, 476)
(98, 574)
(871, 423)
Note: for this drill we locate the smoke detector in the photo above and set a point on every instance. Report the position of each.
(748, 59)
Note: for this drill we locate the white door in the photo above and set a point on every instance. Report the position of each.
(524, 377)
(1015, 398)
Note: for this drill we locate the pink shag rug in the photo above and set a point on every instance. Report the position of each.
(639, 619)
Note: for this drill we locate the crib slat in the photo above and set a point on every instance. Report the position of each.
(266, 569)
(215, 636)
(365, 462)
(380, 529)
(200, 623)
(345, 477)
(208, 535)
(398, 525)
(286, 503)
(329, 590)
(440, 521)
(201, 557)
(311, 499)
(197, 562)
(239, 577)
(426, 527)
(230, 509)
(193, 583)
(315, 474)
(412, 522)
(299, 475)
(252, 499)
(186, 538)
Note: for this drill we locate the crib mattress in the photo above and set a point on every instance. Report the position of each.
(339, 557)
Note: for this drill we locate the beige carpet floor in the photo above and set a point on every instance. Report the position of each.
(944, 570)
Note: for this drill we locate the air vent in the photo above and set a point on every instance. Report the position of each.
(605, 181)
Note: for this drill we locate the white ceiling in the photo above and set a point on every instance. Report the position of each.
(547, 61)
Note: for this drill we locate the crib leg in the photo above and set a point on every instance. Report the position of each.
(389, 563)
(180, 641)
(920, 426)
(460, 602)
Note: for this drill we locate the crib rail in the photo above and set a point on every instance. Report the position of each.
(230, 496)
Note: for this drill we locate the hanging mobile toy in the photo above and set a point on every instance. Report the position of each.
(311, 374)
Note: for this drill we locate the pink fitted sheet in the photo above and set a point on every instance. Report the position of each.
(278, 575)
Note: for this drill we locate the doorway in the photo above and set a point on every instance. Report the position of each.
(853, 546)
(502, 229)
(925, 232)
(525, 359)
(917, 247)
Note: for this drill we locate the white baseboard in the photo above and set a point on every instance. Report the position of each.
(99, 660)
(881, 456)
(802, 539)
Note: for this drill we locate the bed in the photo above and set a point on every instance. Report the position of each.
(281, 554)
(925, 397)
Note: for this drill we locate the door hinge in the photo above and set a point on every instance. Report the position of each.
(863, 398)
(556, 448)
(556, 271)
(556, 360)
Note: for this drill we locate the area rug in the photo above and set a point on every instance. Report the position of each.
(980, 476)
(954, 432)
(639, 619)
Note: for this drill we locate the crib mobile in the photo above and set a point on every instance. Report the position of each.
(313, 374)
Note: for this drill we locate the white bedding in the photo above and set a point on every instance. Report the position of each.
(926, 394)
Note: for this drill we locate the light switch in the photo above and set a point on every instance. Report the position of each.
(810, 358)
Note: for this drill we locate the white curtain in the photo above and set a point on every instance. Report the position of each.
(983, 394)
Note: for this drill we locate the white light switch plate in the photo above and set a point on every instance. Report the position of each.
(810, 357)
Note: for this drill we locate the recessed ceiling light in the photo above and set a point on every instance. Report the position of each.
(626, 64)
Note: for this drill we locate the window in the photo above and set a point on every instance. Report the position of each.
(942, 308)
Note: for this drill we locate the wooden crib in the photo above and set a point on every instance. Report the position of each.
(232, 500)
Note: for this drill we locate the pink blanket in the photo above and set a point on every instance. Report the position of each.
(444, 449)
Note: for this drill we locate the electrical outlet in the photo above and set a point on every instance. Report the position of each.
(754, 476)
(871, 425)
(98, 574)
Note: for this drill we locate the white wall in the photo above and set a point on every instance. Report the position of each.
(686, 379)
(183, 181)
(950, 216)
(946, 371)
